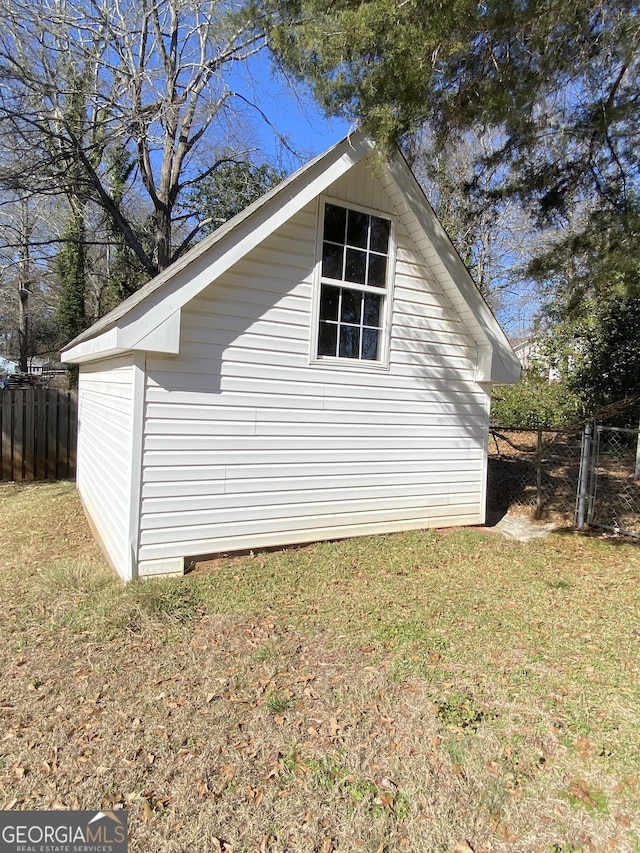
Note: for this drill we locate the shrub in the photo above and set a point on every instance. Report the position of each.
(534, 403)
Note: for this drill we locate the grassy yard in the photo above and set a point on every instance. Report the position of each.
(429, 691)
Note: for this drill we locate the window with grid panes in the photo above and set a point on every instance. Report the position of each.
(353, 283)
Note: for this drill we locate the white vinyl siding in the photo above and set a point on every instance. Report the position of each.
(104, 468)
(247, 443)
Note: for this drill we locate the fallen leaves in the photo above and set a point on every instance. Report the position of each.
(176, 729)
(498, 826)
(18, 770)
(202, 786)
(385, 784)
(188, 753)
(225, 778)
(219, 845)
(334, 727)
(265, 844)
(148, 812)
(256, 795)
(152, 804)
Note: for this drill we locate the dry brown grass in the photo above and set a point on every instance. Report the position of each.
(407, 692)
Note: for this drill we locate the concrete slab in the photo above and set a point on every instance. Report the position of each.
(522, 529)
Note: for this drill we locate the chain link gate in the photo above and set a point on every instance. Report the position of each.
(533, 472)
(609, 481)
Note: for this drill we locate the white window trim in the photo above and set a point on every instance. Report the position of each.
(385, 334)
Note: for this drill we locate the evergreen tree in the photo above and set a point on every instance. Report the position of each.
(233, 186)
(555, 82)
(598, 357)
(124, 273)
(72, 259)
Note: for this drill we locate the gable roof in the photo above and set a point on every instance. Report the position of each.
(149, 320)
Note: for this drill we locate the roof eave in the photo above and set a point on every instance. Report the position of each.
(164, 295)
(163, 338)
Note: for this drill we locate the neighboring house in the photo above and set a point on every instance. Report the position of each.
(529, 352)
(318, 367)
(36, 365)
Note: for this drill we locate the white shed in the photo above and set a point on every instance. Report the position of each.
(319, 367)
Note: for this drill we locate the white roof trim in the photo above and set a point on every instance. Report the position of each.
(165, 338)
(150, 319)
(165, 294)
(102, 346)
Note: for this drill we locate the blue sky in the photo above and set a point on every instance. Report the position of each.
(293, 112)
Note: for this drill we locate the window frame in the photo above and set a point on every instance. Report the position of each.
(386, 293)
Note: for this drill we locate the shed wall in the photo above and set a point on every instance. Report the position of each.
(246, 444)
(104, 468)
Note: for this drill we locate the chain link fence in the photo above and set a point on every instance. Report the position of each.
(534, 472)
(589, 478)
(609, 493)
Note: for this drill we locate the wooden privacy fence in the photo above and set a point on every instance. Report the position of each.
(39, 433)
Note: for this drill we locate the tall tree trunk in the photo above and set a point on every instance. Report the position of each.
(163, 236)
(23, 329)
(24, 287)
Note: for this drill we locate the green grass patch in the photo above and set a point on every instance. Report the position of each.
(279, 703)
